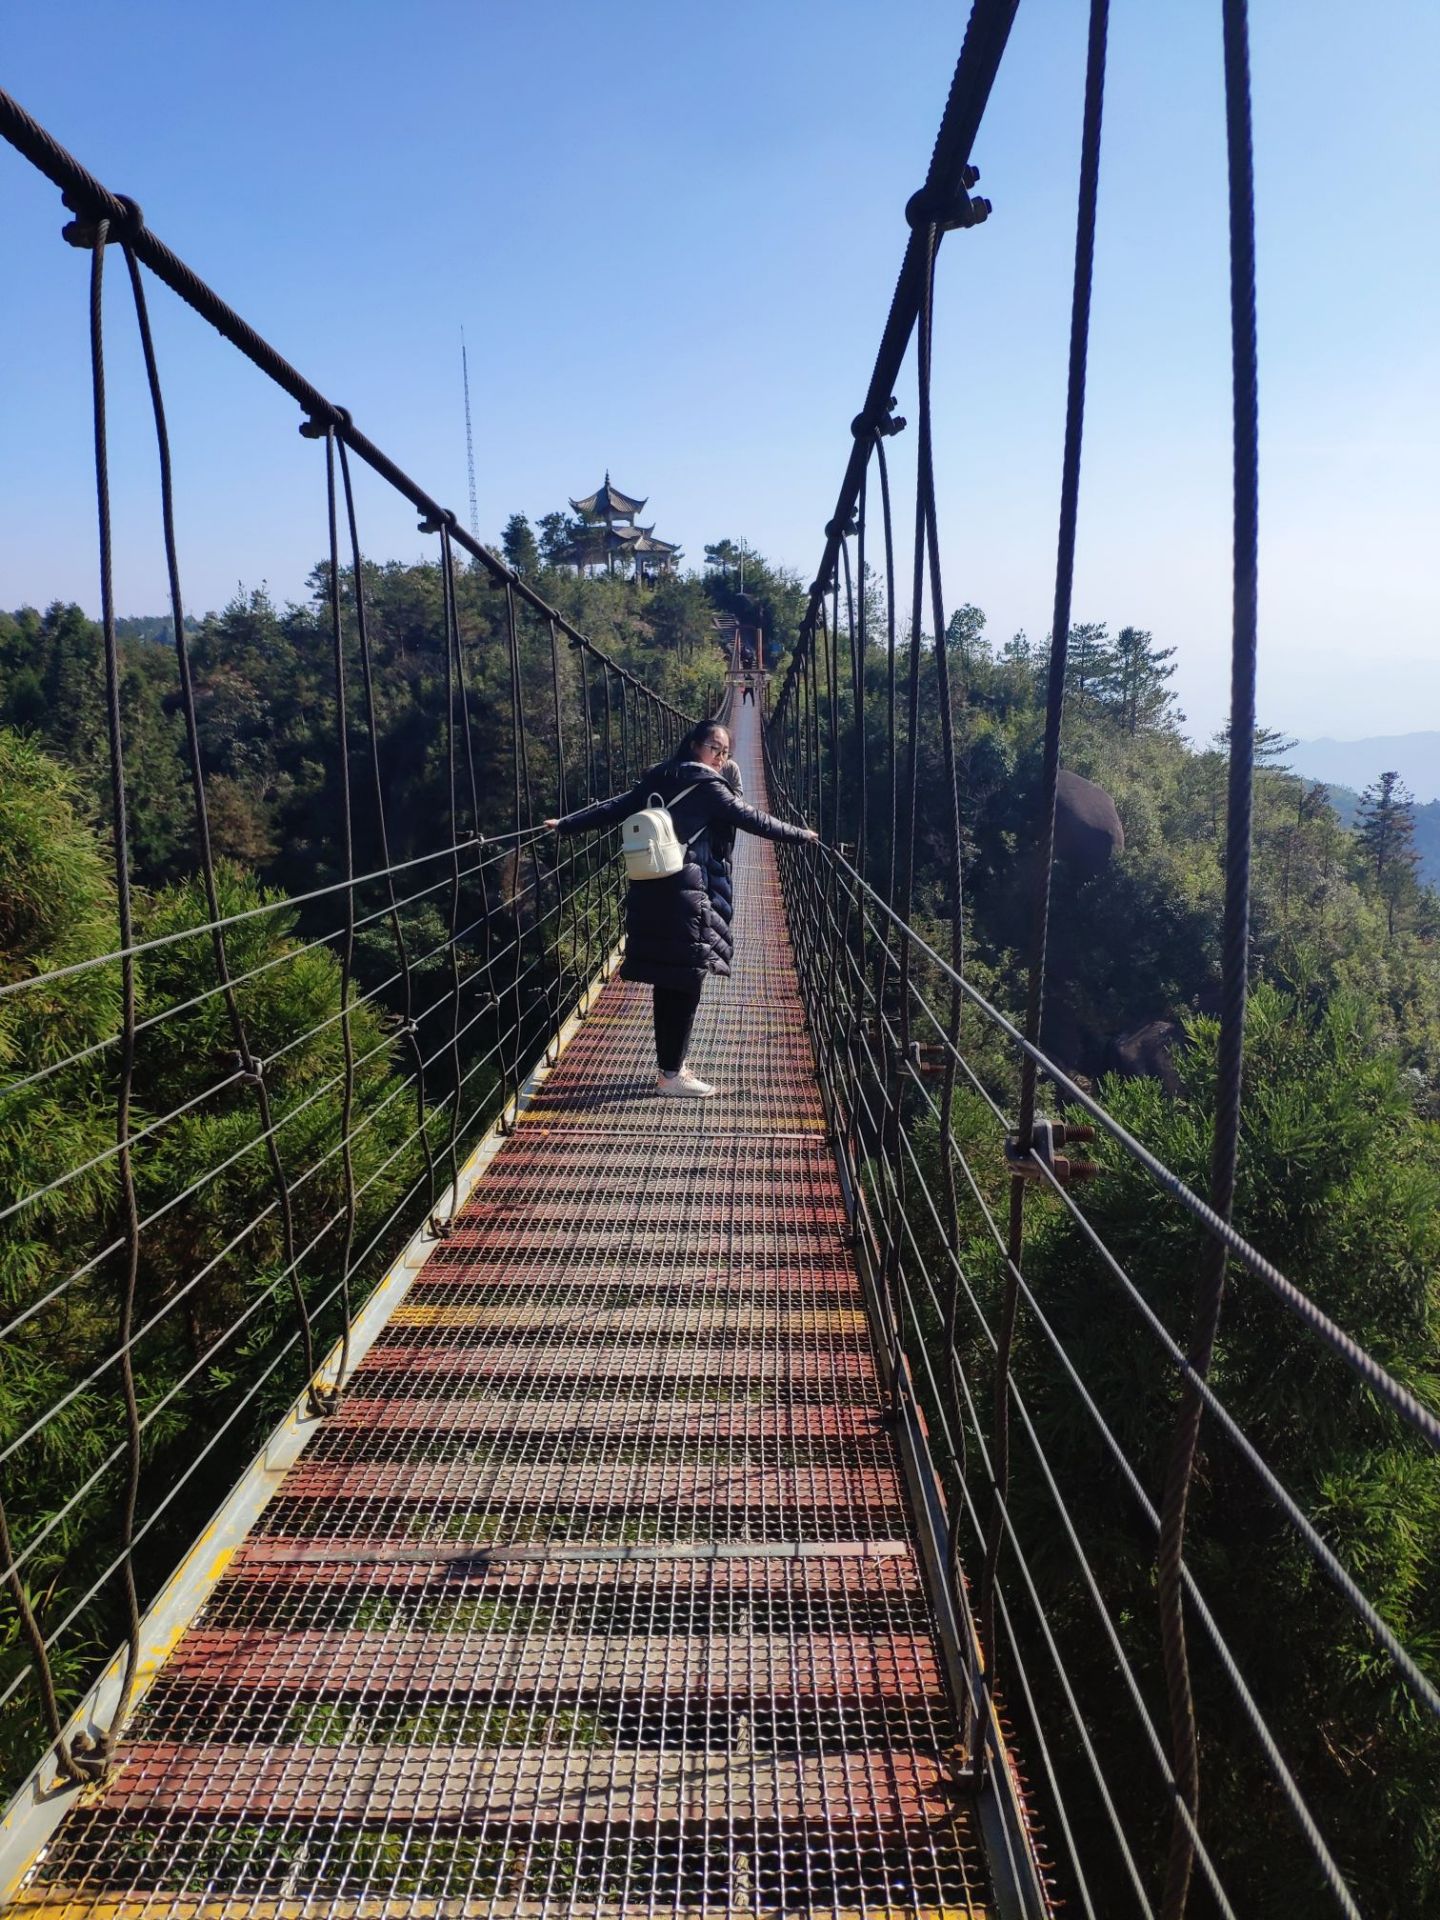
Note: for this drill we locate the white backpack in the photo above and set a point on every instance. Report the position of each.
(653, 849)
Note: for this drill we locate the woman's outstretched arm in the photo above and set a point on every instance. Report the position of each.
(603, 813)
(738, 813)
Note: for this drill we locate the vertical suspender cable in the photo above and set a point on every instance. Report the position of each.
(524, 813)
(251, 1064)
(562, 807)
(926, 509)
(408, 1029)
(347, 951)
(1210, 1286)
(120, 830)
(120, 840)
(452, 768)
(1050, 772)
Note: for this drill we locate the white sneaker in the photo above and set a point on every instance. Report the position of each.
(683, 1086)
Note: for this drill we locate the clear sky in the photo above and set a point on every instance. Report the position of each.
(671, 233)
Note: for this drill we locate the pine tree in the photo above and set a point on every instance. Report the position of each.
(558, 533)
(1141, 671)
(1385, 829)
(1091, 663)
(518, 544)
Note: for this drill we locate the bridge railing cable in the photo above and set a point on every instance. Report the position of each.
(1081, 1482)
(264, 1093)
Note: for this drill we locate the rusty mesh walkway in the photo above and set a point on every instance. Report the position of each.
(599, 1594)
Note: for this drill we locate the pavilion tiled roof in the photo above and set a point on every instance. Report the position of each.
(607, 502)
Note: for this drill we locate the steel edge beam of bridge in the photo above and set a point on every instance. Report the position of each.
(986, 38)
(1008, 1829)
(43, 1800)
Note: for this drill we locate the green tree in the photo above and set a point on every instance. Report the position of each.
(1140, 675)
(1339, 1185)
(965, 635)
(1385, 831)
(215, 1311)
(1090, 664)
(558, 533)
(519, 546)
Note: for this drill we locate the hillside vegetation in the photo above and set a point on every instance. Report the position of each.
(1341, 1157)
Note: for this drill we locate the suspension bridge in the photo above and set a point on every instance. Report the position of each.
(661, 1522)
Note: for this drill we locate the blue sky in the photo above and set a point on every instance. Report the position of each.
(671, 233)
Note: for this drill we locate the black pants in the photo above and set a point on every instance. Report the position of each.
(749, 694)
(675, 1010)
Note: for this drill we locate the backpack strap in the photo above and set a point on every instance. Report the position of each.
(685, 796)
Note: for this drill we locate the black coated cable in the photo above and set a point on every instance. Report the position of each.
(129, 1205)
(1235, 941)
(928, 516)
(397, 932)
(251, 1067)
(331, 1395)
(1050, 769)
(444, 1226)
(986, 34)
(521, 782)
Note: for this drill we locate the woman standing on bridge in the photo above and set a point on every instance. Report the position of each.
(677, 929)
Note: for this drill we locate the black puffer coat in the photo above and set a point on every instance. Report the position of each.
(678, 929)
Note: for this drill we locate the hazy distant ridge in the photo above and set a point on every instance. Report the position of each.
(1356, 763)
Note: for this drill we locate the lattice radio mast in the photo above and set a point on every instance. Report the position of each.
(469, 439)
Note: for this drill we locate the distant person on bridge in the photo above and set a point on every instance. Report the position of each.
(749, 693)
(677, 929)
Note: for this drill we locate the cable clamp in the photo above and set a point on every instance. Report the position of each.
(442, 518)
(948, 207)
(81, 231)
(886, 422)
(1046, 1136)
(325, 421)
(833, 527)
(926, 1061)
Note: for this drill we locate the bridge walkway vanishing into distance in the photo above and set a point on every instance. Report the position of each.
(601, 1587)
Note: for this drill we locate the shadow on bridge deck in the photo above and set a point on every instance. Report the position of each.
(600, 1593)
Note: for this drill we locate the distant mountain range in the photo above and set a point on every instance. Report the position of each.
(1357, 763)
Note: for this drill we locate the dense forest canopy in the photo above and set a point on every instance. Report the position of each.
(1345, 1076)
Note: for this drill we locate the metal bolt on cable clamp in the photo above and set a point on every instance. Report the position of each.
(81, 231)
(1046, 1136)
(925, 1060)
(948, 208)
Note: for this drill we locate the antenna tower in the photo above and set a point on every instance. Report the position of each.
(469, 440)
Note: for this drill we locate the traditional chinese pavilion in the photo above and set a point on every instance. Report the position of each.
(612, 537)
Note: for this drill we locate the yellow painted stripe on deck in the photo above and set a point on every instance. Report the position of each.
(798, 1320)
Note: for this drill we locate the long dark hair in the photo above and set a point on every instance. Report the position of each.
(698, 737)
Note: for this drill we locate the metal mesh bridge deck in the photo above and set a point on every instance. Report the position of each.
(600, 1594)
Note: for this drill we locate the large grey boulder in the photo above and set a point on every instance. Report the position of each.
(1088, 833)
